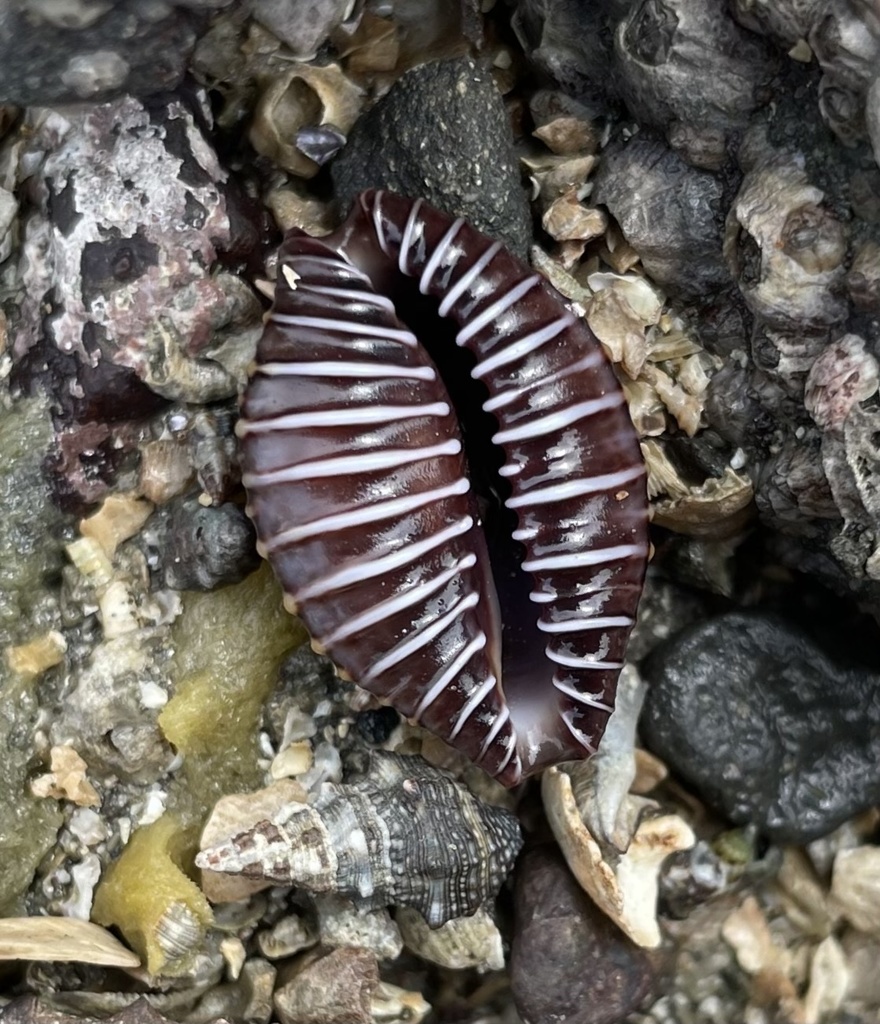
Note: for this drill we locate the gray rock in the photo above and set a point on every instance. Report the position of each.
(441, 134)
(765, 725)
(662, 50)
(569, 962)
(302, 26)
(67, 52)
(332, 989)
(208, 547)
(569, 42)
(669, 212)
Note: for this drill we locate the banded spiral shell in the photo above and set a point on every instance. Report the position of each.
(405, 834)
(357, 482)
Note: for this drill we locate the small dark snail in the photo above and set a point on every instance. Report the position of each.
(354, 463)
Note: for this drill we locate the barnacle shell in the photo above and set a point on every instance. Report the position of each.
(843, 375)
(306, 95)
(403, 834)
(785, 249)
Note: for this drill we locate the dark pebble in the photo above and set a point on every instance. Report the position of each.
(669, 212)
(208, 547)
(441, 134)
(569, 963)
(376, 726)
(764, 725)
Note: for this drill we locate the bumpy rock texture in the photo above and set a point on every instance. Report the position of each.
(442, 134)
(670, 213)
(765, 725)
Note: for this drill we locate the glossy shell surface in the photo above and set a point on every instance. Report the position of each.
(358, 483)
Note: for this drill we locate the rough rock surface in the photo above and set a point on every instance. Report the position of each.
(332, 989)
(760, 720)
(68, 52)
(441, 133)
(207, 547)
(568, 961)
(133, 216)
(668, 211)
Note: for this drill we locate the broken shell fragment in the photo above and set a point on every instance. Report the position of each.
(403, 834)
(567, 219)
(623, 886)
(719, 507)
(304, 97)
(62, 938)
(463, 942)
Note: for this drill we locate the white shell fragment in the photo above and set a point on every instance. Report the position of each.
(464, 942)
(612, 846)
(342, 925)
(402, 834)
(67, 779)
(120, 517)
(779, 972)
(829, 979)
(855, 887)
(62, 939)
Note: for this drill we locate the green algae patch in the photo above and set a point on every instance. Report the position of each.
(228, 648)
(147, 895)
(31, 556)
(28, 825)
(228, 645)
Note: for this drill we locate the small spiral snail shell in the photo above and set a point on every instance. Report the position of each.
(404, 834)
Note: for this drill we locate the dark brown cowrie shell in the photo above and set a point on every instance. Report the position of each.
(354, 463)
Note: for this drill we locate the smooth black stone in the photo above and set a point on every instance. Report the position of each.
(441, 134)
(765, 725)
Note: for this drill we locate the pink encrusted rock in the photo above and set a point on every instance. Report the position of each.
(120, 261)
(842, 376)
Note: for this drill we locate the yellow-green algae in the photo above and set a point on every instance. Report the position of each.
(147, 890)
(228, 648)
(30, 560)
